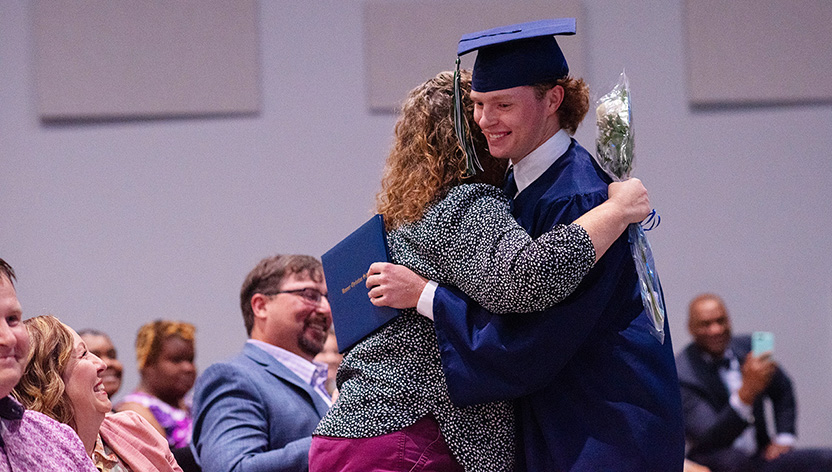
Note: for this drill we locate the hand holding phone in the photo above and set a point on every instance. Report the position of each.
(762, 342)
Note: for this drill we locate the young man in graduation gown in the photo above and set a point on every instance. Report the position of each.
(595, 390)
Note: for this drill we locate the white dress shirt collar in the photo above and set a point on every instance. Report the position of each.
(536, 162)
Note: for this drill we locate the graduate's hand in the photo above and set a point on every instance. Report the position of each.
(394, 285)
(631, 198)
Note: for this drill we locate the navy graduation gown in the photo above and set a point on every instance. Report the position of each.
(594, 389)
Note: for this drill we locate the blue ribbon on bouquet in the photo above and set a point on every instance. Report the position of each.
(652, 221)
(649, 285)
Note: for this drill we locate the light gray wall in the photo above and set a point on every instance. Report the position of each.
(113, 225)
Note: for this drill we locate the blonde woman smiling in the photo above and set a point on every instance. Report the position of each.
(64, 381)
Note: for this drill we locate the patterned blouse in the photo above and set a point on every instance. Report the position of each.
(176, 422)
(394, 377)
(106, 460)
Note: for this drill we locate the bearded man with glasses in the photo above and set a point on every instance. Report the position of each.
(257, 411)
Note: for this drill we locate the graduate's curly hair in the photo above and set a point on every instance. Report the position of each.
(42, 387)
(575, 103)
(427, 159)
(152, 336)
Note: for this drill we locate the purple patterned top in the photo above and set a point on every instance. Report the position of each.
(177, 423)
(35, 442)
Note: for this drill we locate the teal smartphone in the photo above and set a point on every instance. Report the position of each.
(762, 342)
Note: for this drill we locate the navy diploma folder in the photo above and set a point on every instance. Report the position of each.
(354, 317)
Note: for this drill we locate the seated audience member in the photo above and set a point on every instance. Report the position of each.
(100, 344)
(64, 381)
(28, 440)
(256, 412)
(332, 358)
(723, 387)
(165, 356)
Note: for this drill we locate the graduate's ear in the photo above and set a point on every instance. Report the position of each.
(554, 98)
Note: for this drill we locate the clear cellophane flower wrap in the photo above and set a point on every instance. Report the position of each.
(614, 152)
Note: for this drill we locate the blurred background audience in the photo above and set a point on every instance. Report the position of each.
(100, 344)
(724, 387)
(332, 358)
(165, 358)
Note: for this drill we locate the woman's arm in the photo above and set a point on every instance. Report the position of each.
(627, 203)
(471, 241)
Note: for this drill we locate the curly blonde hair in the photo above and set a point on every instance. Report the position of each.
(42, 387)
(427, 159)
(151, 337)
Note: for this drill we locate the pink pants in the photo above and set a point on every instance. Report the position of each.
(417, 448)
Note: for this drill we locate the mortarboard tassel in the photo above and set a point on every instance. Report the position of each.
(463, 133)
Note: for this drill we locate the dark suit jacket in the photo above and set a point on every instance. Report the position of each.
(711, 424)
(252, 413)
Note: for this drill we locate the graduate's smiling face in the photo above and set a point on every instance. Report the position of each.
(516, 121)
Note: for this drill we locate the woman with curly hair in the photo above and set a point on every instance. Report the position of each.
(165, 357)
(393, 411)
(63, 380)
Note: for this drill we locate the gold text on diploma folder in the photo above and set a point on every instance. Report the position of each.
(354, 283)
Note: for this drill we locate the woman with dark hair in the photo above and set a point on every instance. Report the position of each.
(63, 381)
(393, 411)
(165, 356)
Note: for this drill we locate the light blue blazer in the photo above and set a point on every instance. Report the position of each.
(252, 413)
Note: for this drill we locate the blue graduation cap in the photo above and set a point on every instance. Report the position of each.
(510, 56)
(515, 55)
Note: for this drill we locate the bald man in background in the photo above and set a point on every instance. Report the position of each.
(723, 387)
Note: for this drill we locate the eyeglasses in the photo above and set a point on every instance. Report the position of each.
(310, 295)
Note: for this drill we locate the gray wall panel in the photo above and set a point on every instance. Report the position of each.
(752, 52)
(406, 43)
(100, 59)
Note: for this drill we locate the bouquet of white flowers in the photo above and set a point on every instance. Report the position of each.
(614, 153)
